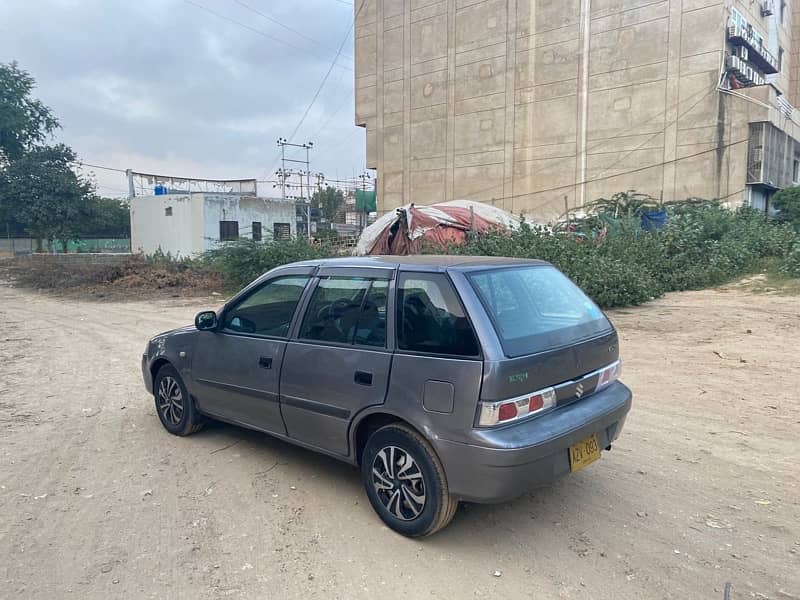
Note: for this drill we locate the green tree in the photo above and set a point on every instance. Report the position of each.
(329, 200)
(106, 217)
(787, 202)
(25, 122)
(47, 196)
(38, 187)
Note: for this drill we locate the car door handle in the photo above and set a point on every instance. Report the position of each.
(363, 378)
(265, 362)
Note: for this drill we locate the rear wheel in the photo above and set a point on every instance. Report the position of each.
(405, 482)
(174, 406)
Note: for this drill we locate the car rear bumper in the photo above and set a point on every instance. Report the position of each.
(504, 463)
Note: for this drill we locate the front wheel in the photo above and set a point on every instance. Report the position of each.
(174, 405)
(405, 482)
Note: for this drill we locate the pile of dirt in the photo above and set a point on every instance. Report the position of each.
(105, 277)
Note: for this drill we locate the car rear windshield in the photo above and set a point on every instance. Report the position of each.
(536, 308)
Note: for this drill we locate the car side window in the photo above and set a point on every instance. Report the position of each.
(347, 310)
(430, 317)
(269, 310)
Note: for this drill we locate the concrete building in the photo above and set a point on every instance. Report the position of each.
(185, 225)
(532, 105)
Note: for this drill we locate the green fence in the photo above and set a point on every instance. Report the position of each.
(90, 245)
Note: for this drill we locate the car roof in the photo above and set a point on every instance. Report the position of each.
(423, 262)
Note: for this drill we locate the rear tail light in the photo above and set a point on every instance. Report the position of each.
(609, 374)
(508, 411)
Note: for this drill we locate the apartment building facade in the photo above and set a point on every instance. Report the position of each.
(538, 105)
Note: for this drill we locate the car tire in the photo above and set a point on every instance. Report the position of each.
(174, 406)
(412, 498)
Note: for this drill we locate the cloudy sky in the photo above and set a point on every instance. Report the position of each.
(193, 88)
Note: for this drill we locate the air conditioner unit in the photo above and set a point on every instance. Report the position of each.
(743, 53)
(767, 8)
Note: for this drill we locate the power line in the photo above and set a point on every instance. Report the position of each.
(286, 27)
(85, 164)
(630, 172)
(640, 124)
(325, 78)
(253, 29)
(657, 133)
(328, 74)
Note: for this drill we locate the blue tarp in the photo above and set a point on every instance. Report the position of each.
(654, 220)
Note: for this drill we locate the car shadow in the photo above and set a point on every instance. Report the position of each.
(279, 452)
(541, 511)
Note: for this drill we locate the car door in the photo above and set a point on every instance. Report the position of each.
(340, 361)
(437, 368)
(236, 368)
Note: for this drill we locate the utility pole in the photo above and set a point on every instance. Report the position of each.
(320, 178)
(364, 177)
(283, 142)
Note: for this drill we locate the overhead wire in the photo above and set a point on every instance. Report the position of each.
(253, 29)
(328, 73)
(271, 19)
(85, 164)
(640, 124)
(324, 79)
(629, 172)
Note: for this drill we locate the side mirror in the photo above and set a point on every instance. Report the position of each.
(206, 320)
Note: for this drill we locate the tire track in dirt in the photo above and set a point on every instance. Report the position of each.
(699, 490)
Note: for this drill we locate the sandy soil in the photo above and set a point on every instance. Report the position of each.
(97, 501)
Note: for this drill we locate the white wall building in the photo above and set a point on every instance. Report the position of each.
(185, 225)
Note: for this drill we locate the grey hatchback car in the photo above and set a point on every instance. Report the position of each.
(443, 378)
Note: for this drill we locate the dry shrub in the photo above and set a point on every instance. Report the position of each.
(131, 273)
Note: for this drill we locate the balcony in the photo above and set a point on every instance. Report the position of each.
(746, 75)
(758, 55)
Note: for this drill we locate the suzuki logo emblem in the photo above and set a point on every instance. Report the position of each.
(579, 390)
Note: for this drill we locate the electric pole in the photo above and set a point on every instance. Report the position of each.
(364, 177)
(283, 142)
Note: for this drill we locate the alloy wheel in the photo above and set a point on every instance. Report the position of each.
(170, 400)
(398, 483)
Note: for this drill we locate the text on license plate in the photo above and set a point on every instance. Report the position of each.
(584, 453)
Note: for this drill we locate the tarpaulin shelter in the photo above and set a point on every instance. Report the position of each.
(405, 230)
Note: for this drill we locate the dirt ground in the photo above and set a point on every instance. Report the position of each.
(97, 501)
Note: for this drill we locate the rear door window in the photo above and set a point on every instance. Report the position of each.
(347, 310)
(430, 317)
(536, 308)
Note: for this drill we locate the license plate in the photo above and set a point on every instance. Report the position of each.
(584, 453)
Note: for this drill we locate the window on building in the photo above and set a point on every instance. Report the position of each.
(282, 231)
(269, 310)
(796, 170)
(780, 59)
(783, 11)
(347, 310)
(737, 20)
(168, 211)
(256, 231)
(228, 231)
(430, 317)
